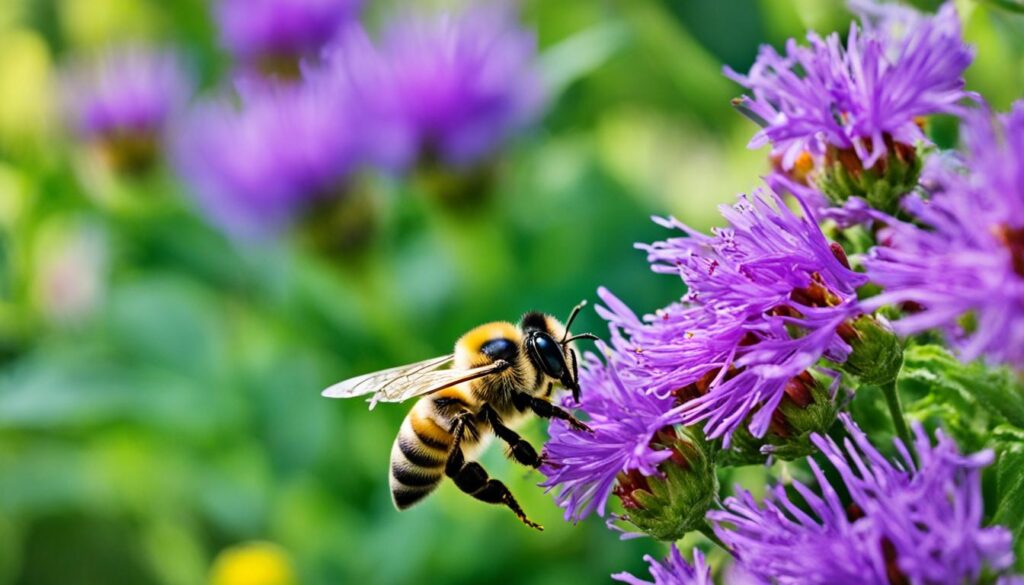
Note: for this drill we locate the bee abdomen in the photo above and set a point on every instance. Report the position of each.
(417, 460)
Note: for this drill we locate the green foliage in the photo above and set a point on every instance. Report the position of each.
(1010, 481)
(981, 407)
(973, 394)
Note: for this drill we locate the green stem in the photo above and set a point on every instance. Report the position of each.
(892, 398)
(705, 529)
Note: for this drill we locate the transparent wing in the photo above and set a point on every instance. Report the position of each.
(404, 382)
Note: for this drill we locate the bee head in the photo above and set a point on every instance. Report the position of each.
(550, 356)
(555, 358)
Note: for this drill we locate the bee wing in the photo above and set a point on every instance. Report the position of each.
(404, 382)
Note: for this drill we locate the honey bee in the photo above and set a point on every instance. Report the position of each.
(498, 374)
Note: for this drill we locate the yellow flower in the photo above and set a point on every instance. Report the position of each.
(254, 563)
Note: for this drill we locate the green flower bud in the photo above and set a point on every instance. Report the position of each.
(808, 407)
(883, 186)
(667, 507)
(877, 353)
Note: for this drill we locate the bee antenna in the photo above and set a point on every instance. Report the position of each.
(572, 317)
(590, 336)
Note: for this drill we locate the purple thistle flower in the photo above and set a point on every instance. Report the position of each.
(907, 522)
(128, 92)
(862, 97)
(674, 570)
(584, 466)
(273, 33)
(448, 86)
(970, 257)
(731, 348)
(255, 167)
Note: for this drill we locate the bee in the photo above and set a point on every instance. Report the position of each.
(498, 374)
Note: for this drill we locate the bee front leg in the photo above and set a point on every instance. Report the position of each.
(546, 409)
(519, 448)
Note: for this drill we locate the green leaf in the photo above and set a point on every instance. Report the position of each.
(580, 54)
(945, 377)
(1010, 480)
(1011, 5)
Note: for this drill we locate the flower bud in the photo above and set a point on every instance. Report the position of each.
(877, 353)
(883, 185)
(807, 408)
(668, 506)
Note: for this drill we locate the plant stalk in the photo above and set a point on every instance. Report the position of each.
(892, 398)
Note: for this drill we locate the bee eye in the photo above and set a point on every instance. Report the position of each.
(550, 355)
(500, 349)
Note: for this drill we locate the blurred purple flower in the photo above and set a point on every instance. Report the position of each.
(269, 32)
(907, 522)
(449, 86)
(898, 66)
(768, 298)
(126, 91)
(584, 466)
(674, 570)
(969, 259)
(253, 168)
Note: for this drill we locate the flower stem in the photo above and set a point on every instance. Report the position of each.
(892, 398)
(709, 533)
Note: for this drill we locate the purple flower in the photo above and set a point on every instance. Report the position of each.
(255, 167)
(862, 97)
(584, 466)
(275, 33)
(674, 570)
(129, 91)
(964, 271)
(906, 522)
(448, 86)
(768, 298)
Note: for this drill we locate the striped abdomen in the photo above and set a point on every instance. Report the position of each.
(418, 456)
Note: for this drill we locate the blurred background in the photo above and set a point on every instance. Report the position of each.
(160, 411)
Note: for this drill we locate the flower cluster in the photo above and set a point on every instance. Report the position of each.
(905, 521)
(125, 100)
(855, 109)
(778, 327)
(768, 298)
(257, 165)
(452, 85)
(963, 271)
(275, 35)
(435, 89)
(864, 95)
(662, 475)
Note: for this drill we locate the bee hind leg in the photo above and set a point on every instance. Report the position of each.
(472, 478)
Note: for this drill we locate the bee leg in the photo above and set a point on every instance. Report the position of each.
(575, 375)
(471, 478)
(519, 448)
(546, 409)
